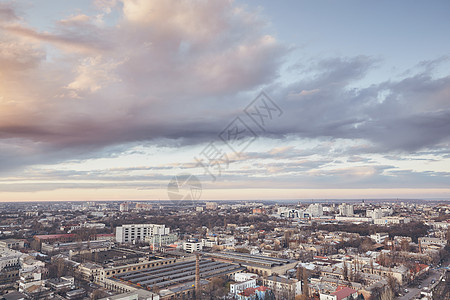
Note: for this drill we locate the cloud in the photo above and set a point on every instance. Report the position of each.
(403, 115)
(7, 13)
(176, 73)
(160, 73)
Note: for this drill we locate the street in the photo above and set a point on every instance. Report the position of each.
(414, 291)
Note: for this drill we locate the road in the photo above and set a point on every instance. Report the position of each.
(415, 291)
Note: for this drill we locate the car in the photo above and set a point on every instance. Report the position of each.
(406, 291)
(433, 281)
(420, 286)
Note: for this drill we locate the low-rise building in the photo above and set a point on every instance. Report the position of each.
(379, 237)
(283, 286)
(12, 243)
(391, 220)
(59, 284)
(192, 246)
(9, 266)
(341, 293)
(238, 287)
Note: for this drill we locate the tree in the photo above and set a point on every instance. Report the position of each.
(305, 288)
(387, 294)
(35, 245)
(393, 284)
(60, 267)
(345, 271)
(404, 245)
(299, 274)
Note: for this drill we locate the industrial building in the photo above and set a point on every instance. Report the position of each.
(116, 270)
(171, 280)
(262, 265)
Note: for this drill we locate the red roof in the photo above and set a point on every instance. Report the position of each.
(419, 267)
(248, 292)
(343, 292)
(251, 291)
(105, 234)
(321, 257)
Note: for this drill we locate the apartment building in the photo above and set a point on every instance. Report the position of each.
(283, 286)
(139, 232)
(192, 246)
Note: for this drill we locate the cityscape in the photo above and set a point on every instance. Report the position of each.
(224, 150)
(225, 250)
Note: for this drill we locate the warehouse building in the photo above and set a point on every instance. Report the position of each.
(262, 265)
(171, 280)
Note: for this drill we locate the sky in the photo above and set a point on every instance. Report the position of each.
(119, 99)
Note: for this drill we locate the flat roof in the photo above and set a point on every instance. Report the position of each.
(250, 260)
(54, 236)
(177, 276)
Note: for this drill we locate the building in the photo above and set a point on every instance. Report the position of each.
(72, 227)
(259, 292)
(241, 277)
(315, 210)
(75, 294)
(341, 293)
(346, 210)
(14, 296)
(400, 273)
(144, 206)
(391, 220)
(353, 219)
(286, 212)
(124, 207)
(283, 287)
(139, 232)
(238, 287)
(174, 280)
(115, 271)
(78, 247)
(426, 241)
(60, 284)
(161, 240)
(89, 271)
(137, 294)
(259, 211)
(258, 264)
(211, 205)
(192, 246)
(12, 243)
(379, 237)
(376, 213)
(52, 238)
(9, 266)
(29, 279)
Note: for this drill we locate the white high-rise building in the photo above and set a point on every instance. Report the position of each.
(139, 232)
(315, 210)
(124, 206)
(346, 210)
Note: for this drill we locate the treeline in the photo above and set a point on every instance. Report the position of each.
(414, 230)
